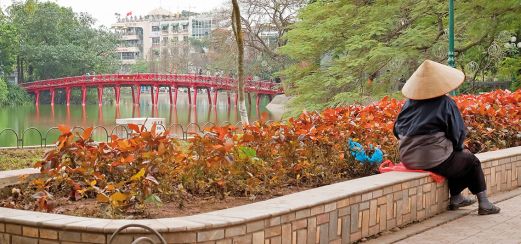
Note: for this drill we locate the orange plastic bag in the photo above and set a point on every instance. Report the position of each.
(388, 166)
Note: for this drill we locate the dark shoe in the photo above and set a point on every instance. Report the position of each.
(487, 211)
(464, 203)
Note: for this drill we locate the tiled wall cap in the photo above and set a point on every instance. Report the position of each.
(499, 154)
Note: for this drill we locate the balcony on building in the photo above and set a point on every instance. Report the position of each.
(129, 33)
(130, 37)
(127, 49)
(128, 61)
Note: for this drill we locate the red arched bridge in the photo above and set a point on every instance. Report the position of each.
(171, 81)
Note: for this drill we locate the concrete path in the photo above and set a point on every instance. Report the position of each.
(464, 225)
(500, 228)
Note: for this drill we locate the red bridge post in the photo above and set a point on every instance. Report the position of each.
(175, 95)
(37, 98)
(68, 95)
(133, 94)
(136, 94)
(156, 88)
(155, 111)
(195, 96)
(189, 96)
(229, 102)
(236, 98)
(52, 97)
(154, 92)
(170, 95)
(118, 112)
(215, 92)
(117, 91)
(258, 100)
(83, 95)
(209, 96)
(249, 98)
(100, 96)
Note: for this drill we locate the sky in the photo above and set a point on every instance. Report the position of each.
(104, 10)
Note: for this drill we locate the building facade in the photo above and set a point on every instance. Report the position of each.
(143, 36)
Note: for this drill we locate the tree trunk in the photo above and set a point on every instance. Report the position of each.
(22, 70)
(237, 30)
(18, 69)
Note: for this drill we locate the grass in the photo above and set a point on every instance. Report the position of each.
(19, 158)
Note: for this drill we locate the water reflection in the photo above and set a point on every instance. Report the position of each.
(46, 116)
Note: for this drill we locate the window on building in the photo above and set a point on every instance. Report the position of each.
(185, 38)
(164, 28)
(155, 28)
(165, 40)
(130, 31)
(201, 28)
(155, 40)
(128, 55)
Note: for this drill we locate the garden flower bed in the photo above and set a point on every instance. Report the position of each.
(126, 176)
(338, 213)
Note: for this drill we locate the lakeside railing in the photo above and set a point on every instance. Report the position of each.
(45, 137)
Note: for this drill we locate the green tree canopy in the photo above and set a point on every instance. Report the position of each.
(344, 49)
(8, 45)
(53, 41)
(3, 91)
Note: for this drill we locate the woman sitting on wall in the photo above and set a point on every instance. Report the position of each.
(431, 132)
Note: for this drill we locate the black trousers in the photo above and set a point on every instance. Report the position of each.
(462, 169)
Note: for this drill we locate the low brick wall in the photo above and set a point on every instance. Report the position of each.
(338, 213)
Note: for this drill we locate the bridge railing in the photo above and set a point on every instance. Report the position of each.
(114, 79)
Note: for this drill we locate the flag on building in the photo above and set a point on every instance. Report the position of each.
(129, 13)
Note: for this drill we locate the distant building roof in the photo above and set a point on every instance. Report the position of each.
(160, 12)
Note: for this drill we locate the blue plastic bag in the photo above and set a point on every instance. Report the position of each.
(358, 152)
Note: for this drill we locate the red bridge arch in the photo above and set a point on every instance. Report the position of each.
(172, 81)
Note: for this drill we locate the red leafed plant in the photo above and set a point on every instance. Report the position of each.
(493, 119)
(309, 150)
(121, 173)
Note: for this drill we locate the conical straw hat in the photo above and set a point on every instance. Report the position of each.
(431, 80)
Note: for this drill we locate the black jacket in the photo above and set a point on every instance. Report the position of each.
(425, 117)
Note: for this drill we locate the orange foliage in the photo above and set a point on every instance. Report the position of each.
(310, 150)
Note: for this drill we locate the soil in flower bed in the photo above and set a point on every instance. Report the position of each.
(191, 206)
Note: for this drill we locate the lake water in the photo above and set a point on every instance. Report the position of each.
(44, 117)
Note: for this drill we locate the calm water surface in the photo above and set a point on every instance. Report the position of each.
(44, 117)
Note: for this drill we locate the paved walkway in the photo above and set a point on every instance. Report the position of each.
(500, 228)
